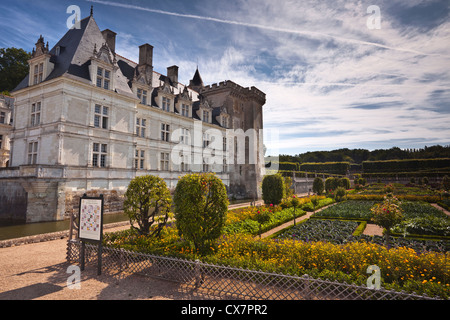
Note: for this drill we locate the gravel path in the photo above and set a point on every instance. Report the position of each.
(39, 271)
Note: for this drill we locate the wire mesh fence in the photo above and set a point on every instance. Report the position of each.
(223, 282)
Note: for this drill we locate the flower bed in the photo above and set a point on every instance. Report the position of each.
(348, 210)
(333, 231)
(401, 268)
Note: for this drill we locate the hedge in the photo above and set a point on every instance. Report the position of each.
(326, 167)
(405, 165)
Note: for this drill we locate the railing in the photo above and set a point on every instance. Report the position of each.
(221, 282)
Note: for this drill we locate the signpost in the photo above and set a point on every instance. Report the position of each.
(91, 226)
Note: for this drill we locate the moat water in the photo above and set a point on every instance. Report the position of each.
(10, 230)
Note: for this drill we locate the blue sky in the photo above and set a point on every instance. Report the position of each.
(331, 82)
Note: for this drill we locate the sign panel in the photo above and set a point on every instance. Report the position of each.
(91, 219)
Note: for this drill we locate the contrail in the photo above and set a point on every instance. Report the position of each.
(263, 27)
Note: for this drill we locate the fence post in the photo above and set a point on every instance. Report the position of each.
(306, 286)
(197, 274)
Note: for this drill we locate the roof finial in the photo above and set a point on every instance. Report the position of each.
(92, 11)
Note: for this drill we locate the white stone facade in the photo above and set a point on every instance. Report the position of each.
(88, 119)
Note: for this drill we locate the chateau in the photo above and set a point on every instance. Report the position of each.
(87, 120)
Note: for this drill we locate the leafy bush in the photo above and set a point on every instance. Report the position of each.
(345, 183)
(318, 186)
(273, 190)
(201, 205)
(340, 194)
(147, 202)
(446, 183)
(331, 183)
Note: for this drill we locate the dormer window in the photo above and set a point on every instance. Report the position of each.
(40, 65)
(103, 78)
(142, 95)
(224, 121)
(185, 110)
(38, 75)
(205, 116)
(58, 51)
(166, 104)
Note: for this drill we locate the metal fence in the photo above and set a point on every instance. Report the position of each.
(221, 282)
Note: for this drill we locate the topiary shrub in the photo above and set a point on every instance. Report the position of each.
(345, 183)
(318, 186)
(147, 202)
(340, 194)
(201, 205)
(446, 183)
(273, 189)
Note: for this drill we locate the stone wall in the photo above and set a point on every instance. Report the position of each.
(13, 199)
(113, 200)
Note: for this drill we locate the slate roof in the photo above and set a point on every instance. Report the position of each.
(76, 52)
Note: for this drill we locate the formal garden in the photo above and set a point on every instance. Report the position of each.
(413, 254)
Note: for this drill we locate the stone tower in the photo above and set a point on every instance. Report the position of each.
(245, 106)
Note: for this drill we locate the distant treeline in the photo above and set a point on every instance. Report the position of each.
(358, 156)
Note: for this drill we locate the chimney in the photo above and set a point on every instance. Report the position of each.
(172, 74)
(110, 38)
(146, 55)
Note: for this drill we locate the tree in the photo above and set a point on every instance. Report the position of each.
(148, 202)
(315, 202)
(446, 183)
(273, 190)
(13, 67)
(318, 186)
(263, 216)
(387, 214)
(201, 205)
(288, 191)
(295, 203)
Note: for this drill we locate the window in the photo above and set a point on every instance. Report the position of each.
(224, 122)
(205, 166)
(38, 73)
(100, 152)
(165, 132)
(184, 139)
(206, 140)
(2, 117)
(164, 161)
(32, 152)
(103, 78)
(185, 110)
(184, 165)
(35, 114)
(142, 94)
(206, 116)
(1, 141)
(224, 144)
(225, 165)
(166, 104)
(101, 117)
(141, 125)
(139, 160)
(41, 72)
